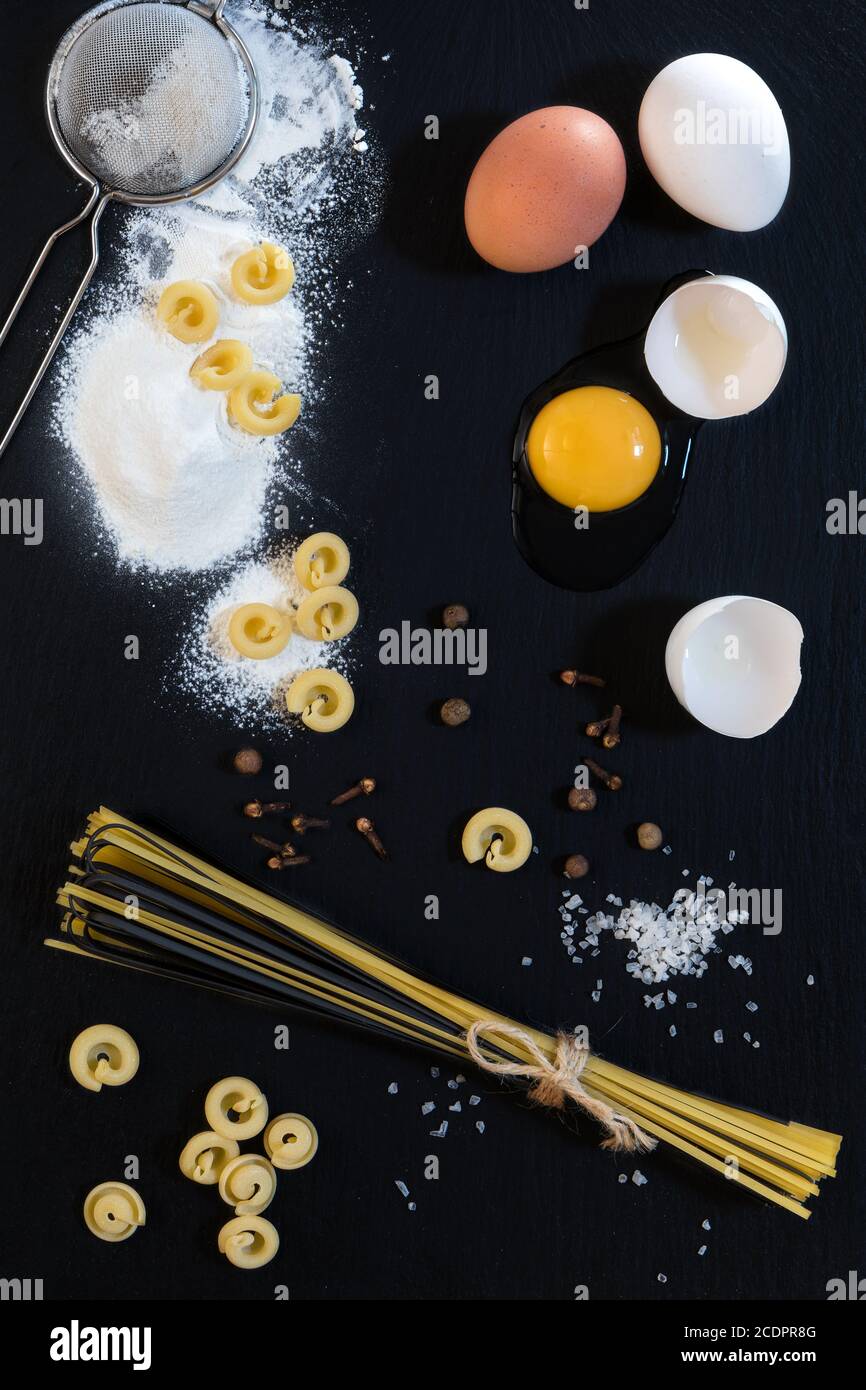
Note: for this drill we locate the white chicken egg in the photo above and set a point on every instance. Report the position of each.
(716, 347)
(734, 663)
(714, 138)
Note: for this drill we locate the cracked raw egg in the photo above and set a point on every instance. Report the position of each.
(603, 447)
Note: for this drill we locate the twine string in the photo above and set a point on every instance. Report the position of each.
(553, 1082)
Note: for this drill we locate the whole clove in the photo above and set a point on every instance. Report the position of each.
(287, 850)
(612, 736)
(287, 861)
(366, 828)
(580, 678)
(365, 787)
(596, 728)
(611, 780)
(256, 809)
(301, 823)
(582, 799)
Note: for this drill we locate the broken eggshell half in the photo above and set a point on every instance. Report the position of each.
(716, 347)
(734, 663)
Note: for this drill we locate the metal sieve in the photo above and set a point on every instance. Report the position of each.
(148, 101)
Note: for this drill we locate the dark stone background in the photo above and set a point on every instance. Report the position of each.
(528, 1209)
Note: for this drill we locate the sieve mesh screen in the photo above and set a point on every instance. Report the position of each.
(151, 98)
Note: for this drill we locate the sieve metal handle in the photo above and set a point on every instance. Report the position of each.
(96, 205)
(208, 9)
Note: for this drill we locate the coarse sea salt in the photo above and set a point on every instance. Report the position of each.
(664, 942)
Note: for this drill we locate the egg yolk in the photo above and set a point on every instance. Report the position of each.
(594, 447)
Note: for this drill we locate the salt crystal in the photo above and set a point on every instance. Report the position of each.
(393, 1089)
(428, 1107)
(663, 1278)
(718, 1036)
(440, 1132)
(638, 1178)
(434, 1072)
(810, 979)
(479, 1125)
(706, 1224)
(456, 1107)
(412, 1207)
(527, 960)
(751, 1006)
(673, 1030)
(623, 1177)
(401, 1187)
(702, 1250)
(474, 1100)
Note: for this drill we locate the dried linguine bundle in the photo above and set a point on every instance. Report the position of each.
(134, 899)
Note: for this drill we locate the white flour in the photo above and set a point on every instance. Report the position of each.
(175, 486)
(178, 487)
(220, 679)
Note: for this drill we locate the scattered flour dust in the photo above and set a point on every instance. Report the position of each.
(220, 679)
(176, 487)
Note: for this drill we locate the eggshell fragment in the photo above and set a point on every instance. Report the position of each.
(716, 347)
(714, 138)
(547, 185)
(734, 663)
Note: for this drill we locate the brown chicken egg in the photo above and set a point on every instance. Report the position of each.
(547, 185)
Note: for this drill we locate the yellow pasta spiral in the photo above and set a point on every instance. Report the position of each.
(248, 1241)
(248, 1184)
(189, 311)
(255, 406)
(113, 1211)
(291, 1141)
(258, 630)
(327, 614)
(223, 366)
(320, 560)
(324, 700)
(205, 1156)
(263, 275)
(103, 1055)
(246, 1102)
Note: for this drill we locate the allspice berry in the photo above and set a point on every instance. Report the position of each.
(649, 835)
(582, 799)
(576, 866)
(455, 615)
(454, 712)
(247, 760)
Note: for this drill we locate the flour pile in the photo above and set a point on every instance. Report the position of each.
(176, 487)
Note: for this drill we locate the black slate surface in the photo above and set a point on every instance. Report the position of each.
(527, 1210)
